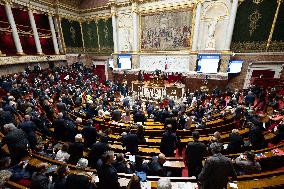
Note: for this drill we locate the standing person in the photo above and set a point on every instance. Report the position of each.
(107, 173)
(217, 169)
(16, 141)
(29, 127)
(131, 141)
(89, 134)
(194, 154)
(169, 142)
(76, 149)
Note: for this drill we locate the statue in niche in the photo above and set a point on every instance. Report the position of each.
(210, 44)
(127, 46)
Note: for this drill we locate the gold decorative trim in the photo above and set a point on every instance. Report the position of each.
(20, 53)
(25, 59)
(82, 36)
(40, 54)
(273, 25)
(248, 46)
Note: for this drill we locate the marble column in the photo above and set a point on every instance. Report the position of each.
(53, 33)
(135, 26)
(36, 37)
(57, 28)
(196, 26)
(114, 26)
(15, 34)
(231, 24)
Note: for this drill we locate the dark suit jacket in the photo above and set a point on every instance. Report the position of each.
(39, 181)
(156, 169)
(29, 128)
(131, 141)
(90, 135)
(195, 151)
(108, 177)
(169, 143)
(236, 142)
(76, 150)
(76, 181)
(96, 152)
(116, 115)
(216, 171)
(121, 167)
(16, 141)
(139, 117)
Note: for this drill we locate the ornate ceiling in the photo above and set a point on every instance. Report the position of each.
(83, 4)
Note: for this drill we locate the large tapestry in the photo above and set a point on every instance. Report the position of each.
(105, 35)
(90, 36)
(166, 30)
(253, 25)
(72, 35)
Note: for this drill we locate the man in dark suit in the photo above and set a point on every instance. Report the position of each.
(76, 149)
(97, 151)
(217, 169)
(59, 125)
(195, 151)
(121, 165)
(165, 114)
(236, 141)
(169, 142)
(89, 134)
(6, 117)
(116, 115)
(139, 116)
(16, 141)
(107, 173)
(156, 167)
(29, 128)
(131, 141)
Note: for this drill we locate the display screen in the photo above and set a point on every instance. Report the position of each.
(208, 63)
(110, 63)
(124, 61)
(235, 66)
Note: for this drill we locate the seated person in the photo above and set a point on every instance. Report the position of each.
(139, 165)
(80, 178)
(107, 173)
(121, 165)
(156, 166)
(39, 178)
(60, 178)
(62, 155)
(246, 164)
(164, 183)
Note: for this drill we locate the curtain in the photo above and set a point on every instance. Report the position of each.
(25, 31)
(105, 35)
(90, 36)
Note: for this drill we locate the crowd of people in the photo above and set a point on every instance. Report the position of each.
(35, 116)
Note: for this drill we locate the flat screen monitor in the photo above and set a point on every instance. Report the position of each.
(208, 63)
(235, 66)
(124, 61)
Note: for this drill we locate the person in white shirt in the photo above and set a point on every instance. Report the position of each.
(62, 155)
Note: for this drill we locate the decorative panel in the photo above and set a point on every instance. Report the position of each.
(72, 35)
(166, 30)
(253, 25)
(90, 36)
(105, 35)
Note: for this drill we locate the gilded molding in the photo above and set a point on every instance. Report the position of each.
(25, 59)
(273, 25)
